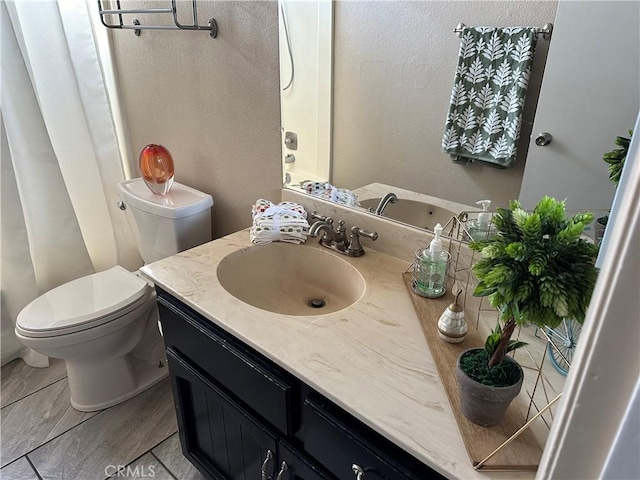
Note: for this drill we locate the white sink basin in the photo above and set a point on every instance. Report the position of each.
(291, 279)
(418, 214)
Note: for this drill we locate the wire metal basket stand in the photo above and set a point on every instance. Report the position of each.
(544, 392)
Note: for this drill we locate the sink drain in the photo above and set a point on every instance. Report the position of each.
(316, 303)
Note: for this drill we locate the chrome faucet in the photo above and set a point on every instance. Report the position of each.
(331, 236)
(337, 239)
(384, 201)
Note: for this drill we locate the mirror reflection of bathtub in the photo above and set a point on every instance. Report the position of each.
(416, 209)
(415, 213)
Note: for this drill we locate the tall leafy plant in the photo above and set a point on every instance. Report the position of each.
(537, 269)
(617, 157)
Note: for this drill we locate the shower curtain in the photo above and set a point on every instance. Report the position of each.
(60, 160)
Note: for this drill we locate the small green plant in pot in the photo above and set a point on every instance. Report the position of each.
(485, 393)
(536, 270)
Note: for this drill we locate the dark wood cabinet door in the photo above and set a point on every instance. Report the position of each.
(218, 436)
(256, 383)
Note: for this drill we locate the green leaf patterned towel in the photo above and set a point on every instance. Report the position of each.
(485, 113)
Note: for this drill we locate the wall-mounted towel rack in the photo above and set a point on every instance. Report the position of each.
(113, 17)
(545, 31)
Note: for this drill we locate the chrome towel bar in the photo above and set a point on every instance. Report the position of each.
(545, 31)
(113, 18)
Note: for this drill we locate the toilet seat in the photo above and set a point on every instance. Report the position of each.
(83, 303)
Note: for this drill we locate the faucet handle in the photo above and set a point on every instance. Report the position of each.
(363, 233)
(355, 249)
(322, 218)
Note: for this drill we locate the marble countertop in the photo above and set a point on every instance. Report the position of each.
(371, 358)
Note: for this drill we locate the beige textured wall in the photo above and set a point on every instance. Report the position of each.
(393, 73)
(214, 103)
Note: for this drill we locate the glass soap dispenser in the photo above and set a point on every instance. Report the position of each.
(430, 268)
(481, 228)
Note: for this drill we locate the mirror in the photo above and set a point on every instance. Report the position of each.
(391, 76)
(306, 48)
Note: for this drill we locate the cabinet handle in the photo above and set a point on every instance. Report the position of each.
(263, 470)
(357, 469)
(283, 468)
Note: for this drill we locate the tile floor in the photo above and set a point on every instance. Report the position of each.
(42, 437)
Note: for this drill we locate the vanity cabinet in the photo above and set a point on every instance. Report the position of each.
(241, 416)
(216, 434)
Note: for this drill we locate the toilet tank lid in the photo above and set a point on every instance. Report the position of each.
(83, 301)
(180, 201)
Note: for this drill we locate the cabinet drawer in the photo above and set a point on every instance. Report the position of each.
(341, 443)
(255, 381)
(295, 465)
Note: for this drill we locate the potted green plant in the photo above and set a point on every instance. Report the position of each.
(485, 393)
(536, 270)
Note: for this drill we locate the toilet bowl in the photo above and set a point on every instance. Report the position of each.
(96, 324)
(105, 325)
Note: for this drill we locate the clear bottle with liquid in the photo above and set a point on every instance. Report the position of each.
(482, 229)
(430, 268)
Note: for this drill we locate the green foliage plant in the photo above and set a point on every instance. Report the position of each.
(616, 158)
(537, 269)
(475, 362)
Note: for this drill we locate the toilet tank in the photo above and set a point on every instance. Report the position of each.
(164, 225)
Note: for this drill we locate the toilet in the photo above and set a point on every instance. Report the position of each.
(105, 325)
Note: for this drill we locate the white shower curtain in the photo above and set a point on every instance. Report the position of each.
(60, 159)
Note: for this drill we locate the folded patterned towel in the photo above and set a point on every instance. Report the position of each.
(313, 187)
(327, 191)
(285, 222)
(344, 197)
(262, 205)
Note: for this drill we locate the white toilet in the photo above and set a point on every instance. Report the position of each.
(105, 325)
